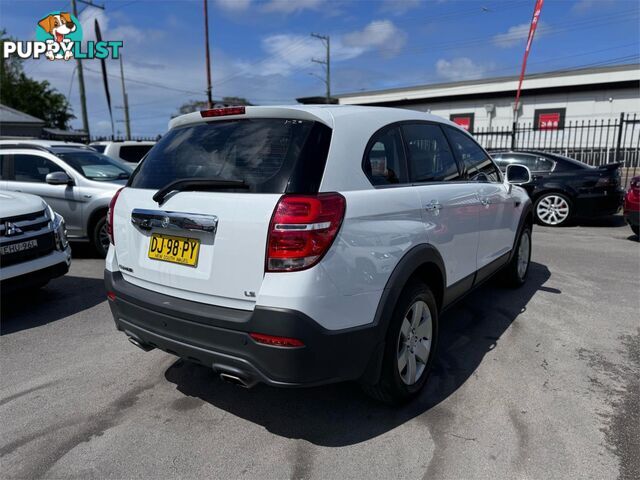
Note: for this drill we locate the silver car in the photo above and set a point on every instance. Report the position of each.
(78, 184)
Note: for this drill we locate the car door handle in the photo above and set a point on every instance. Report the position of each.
(433, 206)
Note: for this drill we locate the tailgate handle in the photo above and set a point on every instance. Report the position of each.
(195, 222)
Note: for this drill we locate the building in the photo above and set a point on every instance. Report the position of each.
(16, 124)
(548, 100)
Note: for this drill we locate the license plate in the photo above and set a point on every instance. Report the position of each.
(167, 248)
(18, 247)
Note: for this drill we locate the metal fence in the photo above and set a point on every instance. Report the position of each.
(595, 142)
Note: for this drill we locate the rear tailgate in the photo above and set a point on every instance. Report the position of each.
(163, 247)
(230, 262)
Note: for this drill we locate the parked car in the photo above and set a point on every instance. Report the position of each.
(77, 183)
(632, 205)
(128, 151)
(46, 143)
(563, 188)
(238, 242)
(33, 242)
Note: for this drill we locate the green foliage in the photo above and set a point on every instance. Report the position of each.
(30, 96)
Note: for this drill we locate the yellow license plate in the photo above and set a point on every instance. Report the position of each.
(167, 248)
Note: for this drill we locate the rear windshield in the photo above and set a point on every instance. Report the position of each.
(270, 155)
(99, 148)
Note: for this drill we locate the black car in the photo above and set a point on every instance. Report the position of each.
(562, 188)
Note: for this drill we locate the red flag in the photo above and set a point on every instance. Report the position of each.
(532, 32)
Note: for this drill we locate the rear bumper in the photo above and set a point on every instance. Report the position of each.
(219, 338)
(595, 205)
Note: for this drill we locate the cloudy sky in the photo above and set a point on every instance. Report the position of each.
(262, 50)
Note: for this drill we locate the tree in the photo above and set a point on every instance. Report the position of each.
(31, 96)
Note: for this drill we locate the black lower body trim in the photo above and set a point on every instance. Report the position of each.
(33, 279)
(219, 338)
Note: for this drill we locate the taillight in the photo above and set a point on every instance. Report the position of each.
(112, 207)
(302, 229)
(276, 341)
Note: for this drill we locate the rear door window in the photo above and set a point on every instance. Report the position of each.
(133, 153)
(479, 166)
(384, 162)
(33, 168)
(430, 157)
(271, 155)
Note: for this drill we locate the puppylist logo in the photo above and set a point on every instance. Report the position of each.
(59, 37)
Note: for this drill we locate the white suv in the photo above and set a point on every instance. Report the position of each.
(130, 151)
(33, 242)
(305, 245)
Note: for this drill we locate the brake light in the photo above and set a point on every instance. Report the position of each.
(221, 112)
(112, 206)
(276, 341)
(111, 296)
(302, 229)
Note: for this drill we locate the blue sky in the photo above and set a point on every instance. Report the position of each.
(262, 50)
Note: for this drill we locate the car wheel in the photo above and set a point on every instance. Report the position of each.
(553, 209)
(100, 239)
(409, 346)
(515, 273)
(636, 230)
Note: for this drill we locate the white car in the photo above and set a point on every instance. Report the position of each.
(130, 151)
(33, 242)
(45, 143)
(305, 245)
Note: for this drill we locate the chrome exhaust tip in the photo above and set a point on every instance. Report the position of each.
(140, 345)
(226, 377)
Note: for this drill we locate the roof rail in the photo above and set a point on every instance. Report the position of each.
(7, 146)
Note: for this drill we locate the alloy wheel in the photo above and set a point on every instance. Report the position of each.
(552, 209)
(414, 342)
(103, 237)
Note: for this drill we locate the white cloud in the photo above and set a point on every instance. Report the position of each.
(233, 6)
(461, 68)
(292, 6)
(380, 34)
(288, 53)
(399, 7)
(517, 35)
(582, 6)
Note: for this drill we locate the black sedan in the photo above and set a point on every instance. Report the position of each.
(562, 188)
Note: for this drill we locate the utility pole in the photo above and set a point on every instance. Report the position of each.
(83, 97)
(126, 103)
(326, 40)
(206, 47)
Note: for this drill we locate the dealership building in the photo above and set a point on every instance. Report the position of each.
(548, 100)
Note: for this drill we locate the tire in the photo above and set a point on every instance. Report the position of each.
(553, 209)
(99, 239)
(636, 230)
(398, 385)
(516, 271)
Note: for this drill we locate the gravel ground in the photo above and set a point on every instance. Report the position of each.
(540, 382)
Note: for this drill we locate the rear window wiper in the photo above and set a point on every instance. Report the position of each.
(198, 184)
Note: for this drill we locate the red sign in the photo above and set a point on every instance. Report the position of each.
(464, 122)
(549, 121)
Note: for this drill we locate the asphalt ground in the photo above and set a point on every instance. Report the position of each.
(539, 382)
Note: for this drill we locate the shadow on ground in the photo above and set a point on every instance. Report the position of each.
(610, 221)
(59, 299)
(339, 415)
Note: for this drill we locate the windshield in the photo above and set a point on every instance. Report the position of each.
(96, 166)
(269, 155)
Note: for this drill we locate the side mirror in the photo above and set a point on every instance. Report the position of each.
(58, 178)
(518, 174)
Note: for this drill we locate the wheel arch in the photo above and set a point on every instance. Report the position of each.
(422, 263)
(95, 215)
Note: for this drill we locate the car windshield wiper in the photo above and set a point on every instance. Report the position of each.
(198, 184)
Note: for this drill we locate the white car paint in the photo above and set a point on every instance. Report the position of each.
(379, 227)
